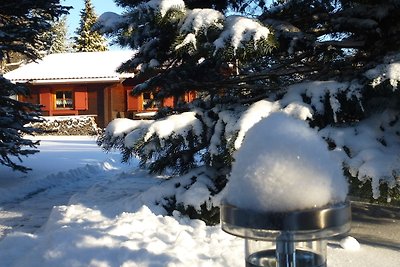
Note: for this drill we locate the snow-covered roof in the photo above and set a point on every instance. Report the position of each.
(73, 67)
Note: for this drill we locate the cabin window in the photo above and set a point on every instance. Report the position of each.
(64, 100)
(149, 102)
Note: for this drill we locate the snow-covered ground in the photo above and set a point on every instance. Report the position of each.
(82, 207)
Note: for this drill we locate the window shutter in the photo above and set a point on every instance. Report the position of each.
(45, 99)
(81, 99)
(133, 102)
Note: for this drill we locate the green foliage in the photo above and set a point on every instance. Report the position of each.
(236, 5)
(362, 190)
(14, 117)
(333, 43)
(249, 50)
(87, 39)
(23, 26)
(209, 215)
(56, 40)
(60, 43)
(22, 29)
(159, 37)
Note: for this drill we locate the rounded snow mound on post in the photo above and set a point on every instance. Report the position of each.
(284, 165)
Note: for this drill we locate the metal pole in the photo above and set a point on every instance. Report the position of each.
(285, 250)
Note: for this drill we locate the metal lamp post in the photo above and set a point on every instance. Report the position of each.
(286, 239)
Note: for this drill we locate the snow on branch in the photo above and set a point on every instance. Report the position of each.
(233, 125)
(189, 39)
(224, 127)
(199, 19)
(367, 149)
(186, 190)
(316, 91)
(109, 22)
(390, 70)
(175, 125)
(122, 132)
(163, 6)
(370, 149)
(171, 143)
(239, 30)
(122, 126)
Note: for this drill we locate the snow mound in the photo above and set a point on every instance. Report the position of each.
(283, 165)
(251, 116)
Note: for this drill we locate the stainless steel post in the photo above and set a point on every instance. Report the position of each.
(285, 250)
(286, 239)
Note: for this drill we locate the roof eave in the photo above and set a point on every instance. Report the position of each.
(71, 81)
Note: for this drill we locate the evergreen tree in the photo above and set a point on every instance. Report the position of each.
(57, 37)
(87, 39)
(22, 28)
(221, 5)
(332, 63)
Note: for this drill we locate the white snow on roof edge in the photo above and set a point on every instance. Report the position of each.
(74, 67)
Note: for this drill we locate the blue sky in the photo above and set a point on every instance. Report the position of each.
(100, 6)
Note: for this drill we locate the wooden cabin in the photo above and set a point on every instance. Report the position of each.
(85, 83)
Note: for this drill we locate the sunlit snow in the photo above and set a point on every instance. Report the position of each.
(163, 6)
(239, 30)
(279, 157)
(200, 19)
(93, 211)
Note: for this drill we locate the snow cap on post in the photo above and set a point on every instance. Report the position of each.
(283, 165)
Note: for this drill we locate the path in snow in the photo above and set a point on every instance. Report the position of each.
(30, 212)
(64, 167)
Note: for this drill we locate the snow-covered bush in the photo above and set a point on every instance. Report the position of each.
(318, 61)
